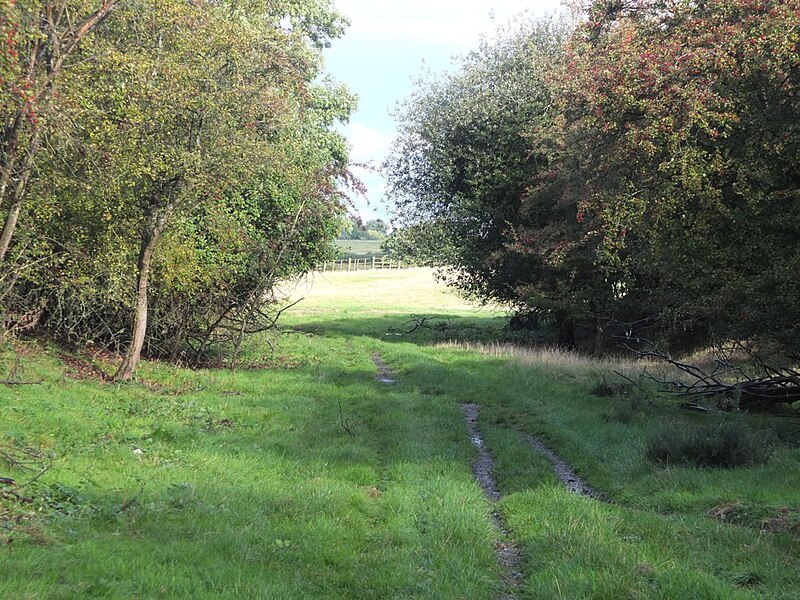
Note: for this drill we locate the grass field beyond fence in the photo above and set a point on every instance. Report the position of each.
(302, 476)
(360, 248)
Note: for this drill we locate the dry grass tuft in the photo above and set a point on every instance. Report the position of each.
(558, 359)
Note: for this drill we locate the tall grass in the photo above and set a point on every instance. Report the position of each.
(553, 357)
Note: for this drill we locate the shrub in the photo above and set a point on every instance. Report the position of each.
(624, 410)
(725, 443)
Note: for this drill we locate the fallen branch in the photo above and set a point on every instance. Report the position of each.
(38, 475)
(132, 502)
(14, 491)
(741, 390)
(21, 458)
(345, 423)
(419, 323)
(631, 381)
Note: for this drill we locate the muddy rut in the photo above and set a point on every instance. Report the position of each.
(507, 551)
(562, 470)
(508, 554)
(385, 373)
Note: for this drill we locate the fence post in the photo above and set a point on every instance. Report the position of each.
(399, 263)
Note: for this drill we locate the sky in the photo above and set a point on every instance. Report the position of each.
(388, 45)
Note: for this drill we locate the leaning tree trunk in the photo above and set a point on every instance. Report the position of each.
(59, 37)
(149, 240)
(10, 152)
(17, 197)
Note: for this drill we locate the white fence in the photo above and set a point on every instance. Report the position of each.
(361, 264)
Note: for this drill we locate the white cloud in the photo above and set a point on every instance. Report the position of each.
(452, 23)
(368, 144)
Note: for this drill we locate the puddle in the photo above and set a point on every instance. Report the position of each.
(562, 470)
(508, 554)
(385, 373)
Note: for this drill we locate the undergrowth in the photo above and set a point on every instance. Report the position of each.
(724, 443)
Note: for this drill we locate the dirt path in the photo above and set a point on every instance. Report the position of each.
(562, 470)
(508, 554)
(385, 372)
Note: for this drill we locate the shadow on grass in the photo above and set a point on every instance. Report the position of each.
(282, 502)
(420, 329)
(251, 487)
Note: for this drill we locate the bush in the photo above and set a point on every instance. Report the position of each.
(624, 410)
(724, 443)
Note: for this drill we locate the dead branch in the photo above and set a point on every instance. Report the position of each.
(771, 387)
(132, 502)
(344, 422)
(21, 458)
(419, 323)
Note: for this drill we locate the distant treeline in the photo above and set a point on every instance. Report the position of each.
(374, 229)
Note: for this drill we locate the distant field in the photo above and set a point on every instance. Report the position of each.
(387, 302)
(406, 291)
(361, 248)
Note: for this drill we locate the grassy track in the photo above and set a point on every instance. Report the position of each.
(312, 480)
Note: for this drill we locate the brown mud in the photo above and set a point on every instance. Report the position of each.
(385, 373)
(508, 554)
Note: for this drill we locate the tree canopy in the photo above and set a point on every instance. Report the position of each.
(182, 161)
(633, 174)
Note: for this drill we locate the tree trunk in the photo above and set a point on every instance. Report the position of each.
(10, 153)
(566, 331)
(149, 239)
(17, 197)
(8, 228)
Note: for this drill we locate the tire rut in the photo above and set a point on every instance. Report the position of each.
(563, 471)
(385, 373)
(508, 553)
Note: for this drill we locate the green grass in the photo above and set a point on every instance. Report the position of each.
(212, 484)
(360, 248)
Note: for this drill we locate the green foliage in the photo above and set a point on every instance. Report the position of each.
(635, 176)
(354, 229)
(724, 443)
(225, 159)
(686, 122)
(420, 243)
(463, 157)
